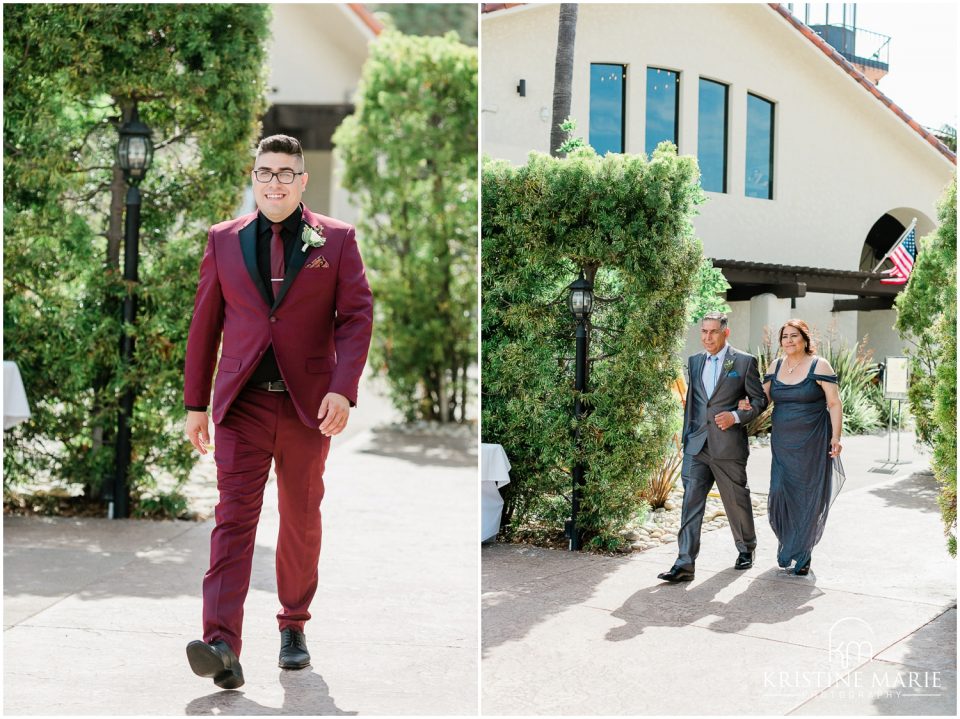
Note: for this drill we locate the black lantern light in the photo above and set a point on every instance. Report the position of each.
(135, 149)
(580, 300)
(580, 303)
(134, 153)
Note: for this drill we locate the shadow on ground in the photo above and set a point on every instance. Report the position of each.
(424, 448)
(512, 604)
(677, 605)
(304, 694)
(918, 491)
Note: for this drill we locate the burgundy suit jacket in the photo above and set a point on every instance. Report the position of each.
(319, 325)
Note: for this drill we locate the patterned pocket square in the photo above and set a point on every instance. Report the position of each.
(320, 262)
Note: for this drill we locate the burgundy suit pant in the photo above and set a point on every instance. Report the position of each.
(260, 427)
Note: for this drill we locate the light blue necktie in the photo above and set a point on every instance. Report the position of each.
(713, 360)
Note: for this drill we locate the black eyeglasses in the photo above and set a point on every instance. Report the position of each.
(284, 177)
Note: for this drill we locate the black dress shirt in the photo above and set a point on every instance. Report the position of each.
(267, 370)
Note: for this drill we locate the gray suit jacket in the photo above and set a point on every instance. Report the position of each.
(739, 378)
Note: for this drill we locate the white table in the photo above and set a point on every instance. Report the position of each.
(15, 406)
(494, 473)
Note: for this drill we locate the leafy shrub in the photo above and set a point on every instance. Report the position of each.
(927, 315)
(625, 221)
(72, 73)
(860, 393)
(410, 158)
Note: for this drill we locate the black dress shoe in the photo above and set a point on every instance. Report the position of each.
(677, 574)
(744, 560)
(215, 660)
(293, 649)
(804, 570)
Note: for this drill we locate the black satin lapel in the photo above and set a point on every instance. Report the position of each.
(248, 245)
(293, 267)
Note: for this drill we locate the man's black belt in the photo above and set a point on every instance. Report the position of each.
(277, 385)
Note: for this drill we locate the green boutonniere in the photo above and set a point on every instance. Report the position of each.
(727, 365)
(312, 237)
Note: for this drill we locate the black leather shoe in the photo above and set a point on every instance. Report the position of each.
(293, 649)
(215, 660)
(804, 570)
(677, 574)
(744, 560)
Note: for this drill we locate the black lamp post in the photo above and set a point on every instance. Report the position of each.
(134, 153)
(580, 303)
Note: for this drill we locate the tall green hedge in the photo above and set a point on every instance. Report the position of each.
(71, 74)
(410, 158)
(626, 221)
(927, 316)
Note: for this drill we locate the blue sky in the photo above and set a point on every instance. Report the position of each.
(923, 56)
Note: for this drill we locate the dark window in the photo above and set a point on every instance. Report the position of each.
(663, 104)
(712, 136)
(607, 92)
(759, 178)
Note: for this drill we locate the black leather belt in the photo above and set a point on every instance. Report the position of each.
(278, 385)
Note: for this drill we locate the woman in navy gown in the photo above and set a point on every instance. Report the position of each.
(805, 441)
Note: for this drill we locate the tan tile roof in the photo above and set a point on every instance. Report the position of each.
(366, 17)
(862, 80)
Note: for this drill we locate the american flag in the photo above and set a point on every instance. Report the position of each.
(902, 258)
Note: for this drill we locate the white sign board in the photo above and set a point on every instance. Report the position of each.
(895, 377)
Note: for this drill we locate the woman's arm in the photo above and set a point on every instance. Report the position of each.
(834, 406)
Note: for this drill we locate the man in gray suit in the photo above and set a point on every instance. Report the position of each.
(715, 445)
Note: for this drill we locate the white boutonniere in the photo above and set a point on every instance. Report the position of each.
(312, 237)
(727, 365)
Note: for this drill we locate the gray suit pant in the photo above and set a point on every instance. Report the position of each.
(698, 474)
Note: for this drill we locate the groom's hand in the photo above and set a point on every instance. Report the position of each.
(334, 411)
(197, 430)
(725, 420)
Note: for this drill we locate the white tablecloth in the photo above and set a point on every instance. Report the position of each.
(494, 473)
(15, 406)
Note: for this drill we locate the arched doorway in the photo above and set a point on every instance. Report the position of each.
(886, 231)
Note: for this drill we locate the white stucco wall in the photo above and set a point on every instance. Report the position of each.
(315, 53)
(316, 56)
(842, 159)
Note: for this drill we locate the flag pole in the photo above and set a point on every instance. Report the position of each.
(890, 251)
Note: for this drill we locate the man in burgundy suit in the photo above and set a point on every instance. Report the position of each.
(287, 289)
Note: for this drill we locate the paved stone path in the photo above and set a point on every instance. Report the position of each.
(97, 612)
(872, 629)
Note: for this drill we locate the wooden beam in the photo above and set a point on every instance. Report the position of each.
(863, 304)
(742, 292)
(313, 125)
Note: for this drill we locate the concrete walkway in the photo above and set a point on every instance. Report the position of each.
(97, 612)
(871, 630)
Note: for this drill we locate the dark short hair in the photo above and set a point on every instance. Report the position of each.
(718, 316)
(283, 144)
(804, 329)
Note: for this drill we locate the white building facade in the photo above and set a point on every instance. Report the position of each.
(315, 57)
(810, 174)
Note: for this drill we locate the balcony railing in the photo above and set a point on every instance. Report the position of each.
(860, 47)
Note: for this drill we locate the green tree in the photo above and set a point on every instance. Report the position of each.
(410, 156)
(72, 74)
(626, 220)
(927, 317)
(430, 18)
